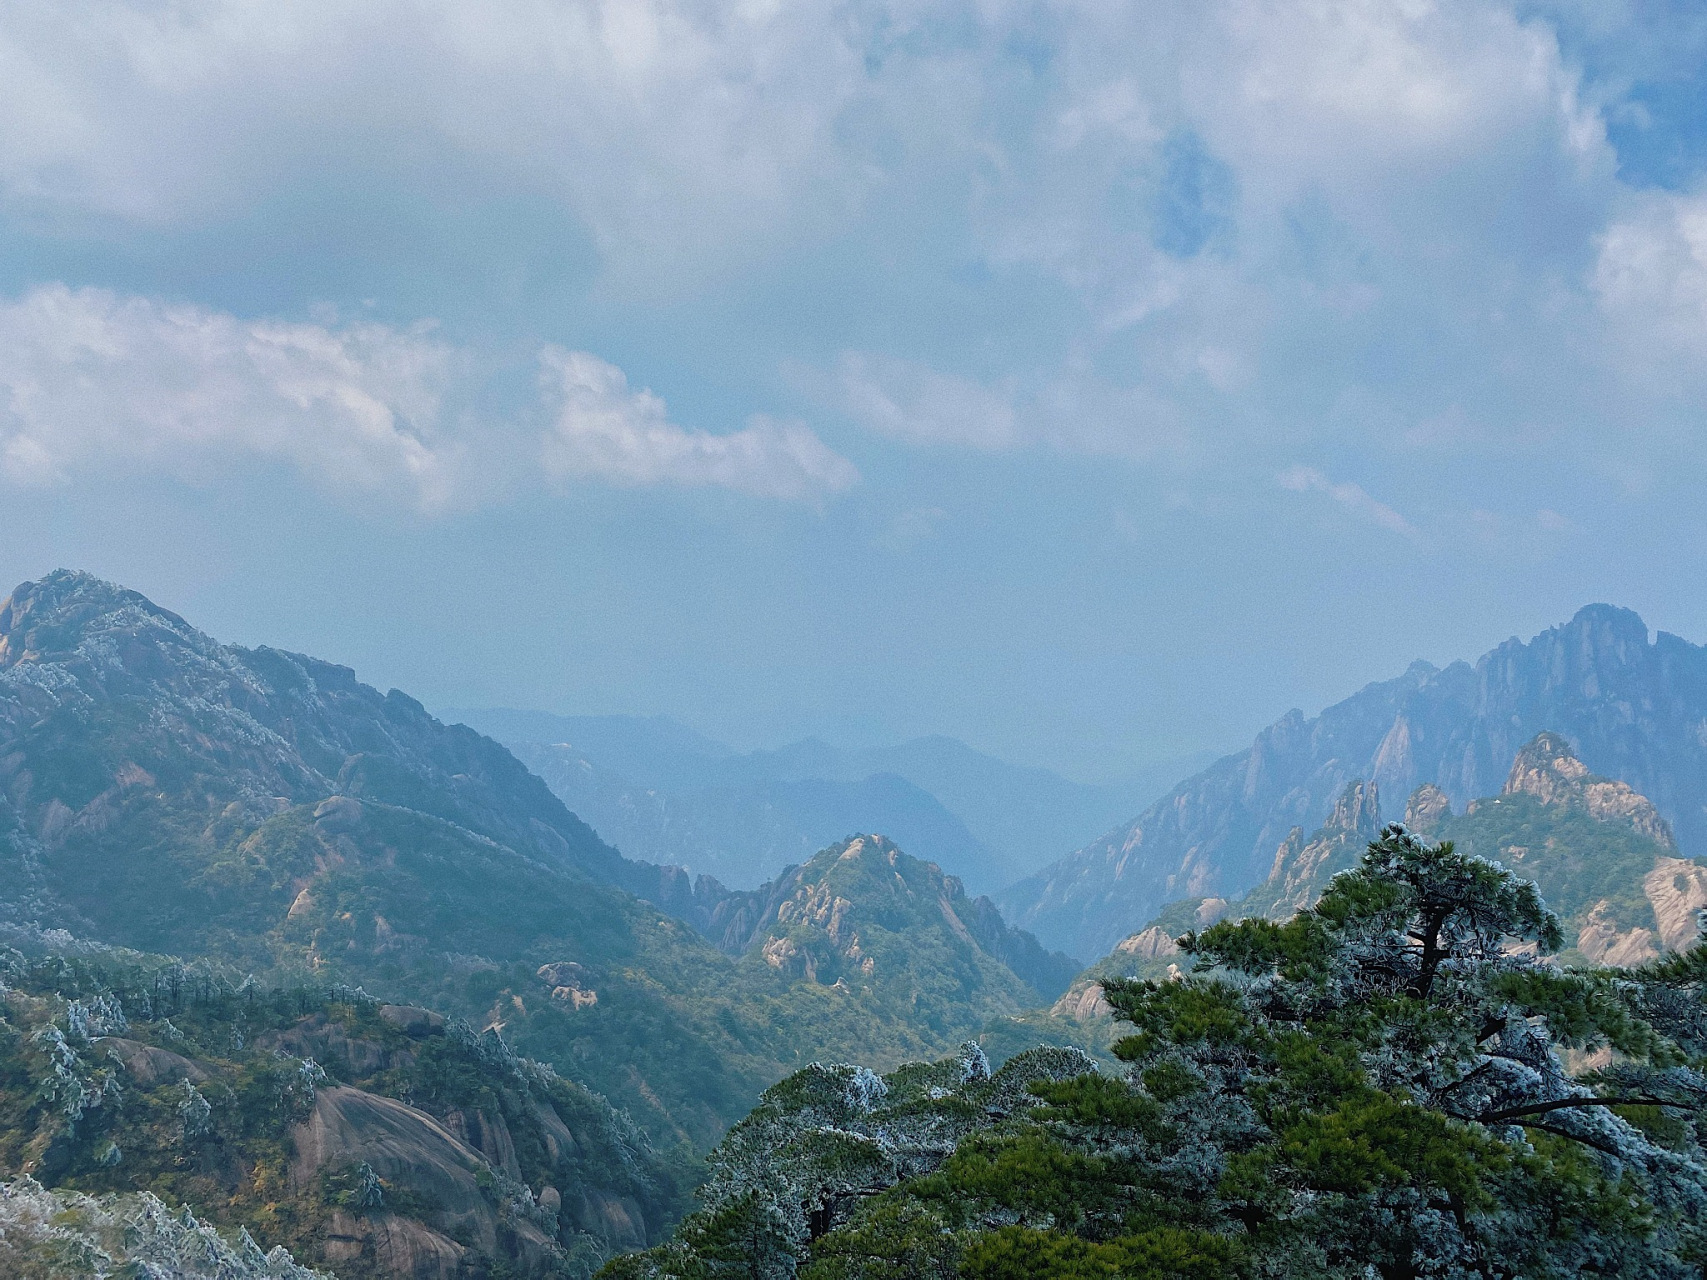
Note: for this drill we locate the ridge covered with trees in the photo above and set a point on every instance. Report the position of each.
(1395, 1081)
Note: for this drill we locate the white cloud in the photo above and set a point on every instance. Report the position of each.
(1650, 278)
(665, 126)
(604, 430)
(90, 378)
(910, 401)
(1070, 410)
(1302, 479)
(1407, 194)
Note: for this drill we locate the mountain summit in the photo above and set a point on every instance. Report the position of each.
(1631, 707)
(1549, 770)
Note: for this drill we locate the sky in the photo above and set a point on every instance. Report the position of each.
(1092, 381)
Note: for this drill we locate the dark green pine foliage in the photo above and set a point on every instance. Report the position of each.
(1377, 1087)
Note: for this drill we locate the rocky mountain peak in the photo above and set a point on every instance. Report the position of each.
(1606, 626)
(1427, 808)
(1548, 769)
(49, 620)
(1357, 811)
(1631, 707)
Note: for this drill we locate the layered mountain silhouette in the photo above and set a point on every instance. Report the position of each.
(664, 793)
(1599, 852)
(1633, 709)
(165, 792)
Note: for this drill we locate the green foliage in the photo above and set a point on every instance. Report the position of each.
(130, 1075)
(1373, 1088)
(1166, 1253)
(1575, 860)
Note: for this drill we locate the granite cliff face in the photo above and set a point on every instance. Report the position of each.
(1632, 710)
(1548, 770)
(1599, 851)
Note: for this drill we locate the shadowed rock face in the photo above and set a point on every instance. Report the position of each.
(1632, 710)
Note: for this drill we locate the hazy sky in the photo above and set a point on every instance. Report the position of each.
(1089, 380)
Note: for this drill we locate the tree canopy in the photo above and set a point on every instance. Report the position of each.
(1399, 1081)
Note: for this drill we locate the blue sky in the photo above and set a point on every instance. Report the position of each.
(1090, 381)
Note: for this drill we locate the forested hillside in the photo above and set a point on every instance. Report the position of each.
(1377, 1087)
(269, 816)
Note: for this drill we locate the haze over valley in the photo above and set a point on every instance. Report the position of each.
(853, 640)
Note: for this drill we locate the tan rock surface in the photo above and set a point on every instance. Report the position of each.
(1549, 770)
(403, 1146)
(1677, 888)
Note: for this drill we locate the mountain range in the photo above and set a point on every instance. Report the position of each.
(1602, 857)
(665, 793)
(269, 815)
(262, 828)
(1632, 708)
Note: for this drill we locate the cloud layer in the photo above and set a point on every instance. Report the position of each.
(604, 430)
(94, 379)
(1205, 237)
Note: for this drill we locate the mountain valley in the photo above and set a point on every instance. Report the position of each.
(294, 952)
(662, 792)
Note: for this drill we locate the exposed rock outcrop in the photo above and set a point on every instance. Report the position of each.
(863, 879)
(1427, 808)
(1677, 890)
(1303, 868)
(1549, 770)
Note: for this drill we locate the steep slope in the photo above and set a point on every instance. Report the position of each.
(369, 1139)
(1300, 870)
(864, 914)
(1599, 852)
(165, 792)
(1632, 709)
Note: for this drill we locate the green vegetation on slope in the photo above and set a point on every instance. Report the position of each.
(167, 793)
(1371, 1088)
(366, 1138)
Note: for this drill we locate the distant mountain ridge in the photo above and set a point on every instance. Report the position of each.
(1633, 710)
(744, 833)
(162, 791)
(667, 794)
(1598, 851)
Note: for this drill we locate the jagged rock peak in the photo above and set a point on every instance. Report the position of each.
(46, 619)
(1357, 811)
(1608, 622)
(1549, 770)
(1427, 808)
